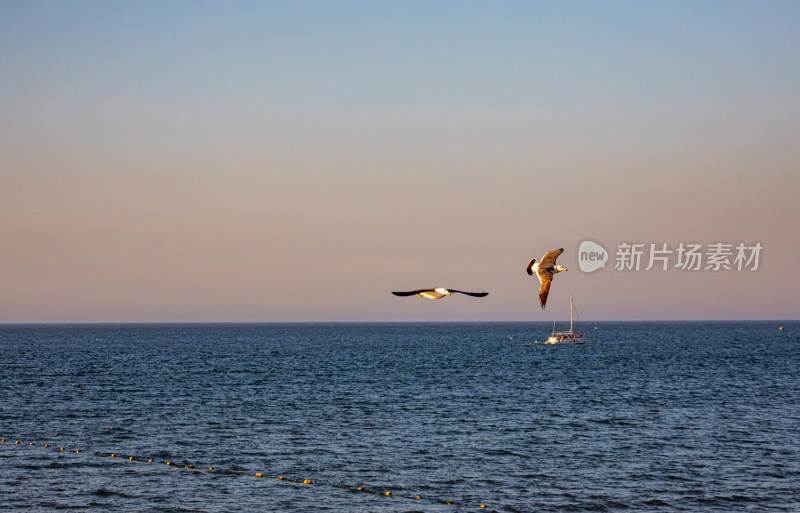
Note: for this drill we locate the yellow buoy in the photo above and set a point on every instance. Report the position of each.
(150, 461)
(30, 443)
(210, 468)
(17, 442)
(131, 458)
(359, 488)
(258, 475)
(46, 445)
(388, 494)
(169, 463)
(60, 448)
(112, 454)
(281, 477)
(483, 505)
(77, 451)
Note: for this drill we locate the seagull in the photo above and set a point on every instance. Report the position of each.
(545, 271)
(438, 293)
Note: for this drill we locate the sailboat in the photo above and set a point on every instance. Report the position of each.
(566, 337)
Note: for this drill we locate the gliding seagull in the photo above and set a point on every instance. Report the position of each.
(438, 293)
(545, 271)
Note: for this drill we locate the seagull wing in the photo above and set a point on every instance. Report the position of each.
(412, 292)
(473, 294)
(530, 267)
(544, 289)
(549, 258)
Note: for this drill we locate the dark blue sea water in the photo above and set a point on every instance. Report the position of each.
(643, 417)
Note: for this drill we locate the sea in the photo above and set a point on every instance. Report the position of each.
(400, 417)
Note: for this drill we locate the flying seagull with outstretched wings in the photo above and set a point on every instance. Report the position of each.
(545, 270)
(438, 293)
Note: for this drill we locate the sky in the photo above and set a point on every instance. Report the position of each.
(297, 161)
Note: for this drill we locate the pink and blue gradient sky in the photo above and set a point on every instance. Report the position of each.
(296, 161)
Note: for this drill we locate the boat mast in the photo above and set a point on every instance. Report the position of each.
(570, 312)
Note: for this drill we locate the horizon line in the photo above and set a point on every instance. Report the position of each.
(217, 323)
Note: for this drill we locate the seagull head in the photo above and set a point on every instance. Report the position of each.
(559, 268)
(442, 290)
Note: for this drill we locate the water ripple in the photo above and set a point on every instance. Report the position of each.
(645, 417)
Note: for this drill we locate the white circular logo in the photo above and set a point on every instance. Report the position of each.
(591, 256)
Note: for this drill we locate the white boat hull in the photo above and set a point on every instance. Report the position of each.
(566, 338)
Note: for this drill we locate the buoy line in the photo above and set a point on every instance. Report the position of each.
(204, 468)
